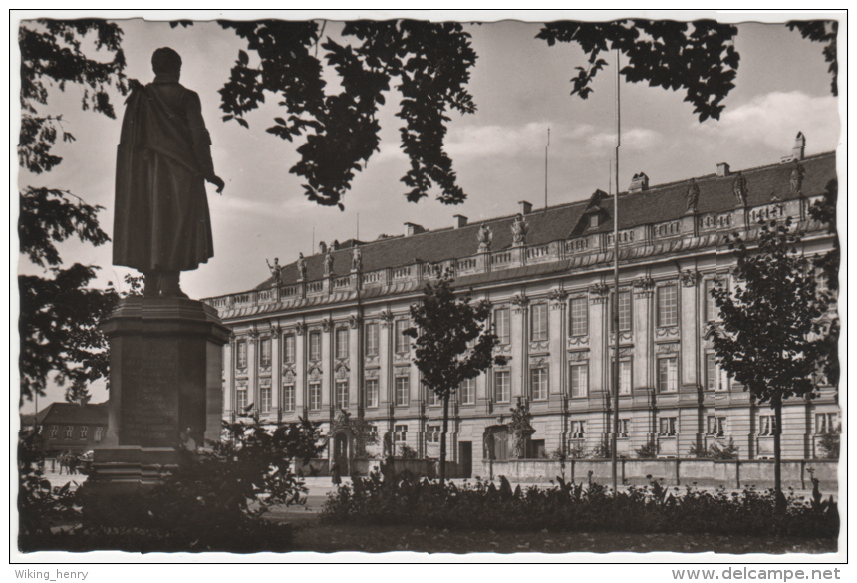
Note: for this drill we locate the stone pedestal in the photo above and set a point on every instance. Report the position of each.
(165, 386)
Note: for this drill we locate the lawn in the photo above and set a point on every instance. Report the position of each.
(322, 537)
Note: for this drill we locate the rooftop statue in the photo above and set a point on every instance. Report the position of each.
(162, 226)
(357, 259)
(484, 235)
(301, 265)
(276, 270)
(520, 227)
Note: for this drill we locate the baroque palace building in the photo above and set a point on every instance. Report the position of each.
(322, 338)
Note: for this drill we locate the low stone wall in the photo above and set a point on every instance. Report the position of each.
(702, 472)
(315, 467)
(418, 467)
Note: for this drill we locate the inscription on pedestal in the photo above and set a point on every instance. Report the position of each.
(150, 410)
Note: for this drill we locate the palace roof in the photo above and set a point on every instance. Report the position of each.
(654, 204)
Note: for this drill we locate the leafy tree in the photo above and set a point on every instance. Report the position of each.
(429, 61)
(824, 211)
(59, 313)
(699, 56)
(822, 31)
(829, 443)
(771, 337)
(453, 344)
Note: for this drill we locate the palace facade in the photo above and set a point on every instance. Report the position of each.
(322, 338)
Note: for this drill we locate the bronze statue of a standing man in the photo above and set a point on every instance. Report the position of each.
(162, 226)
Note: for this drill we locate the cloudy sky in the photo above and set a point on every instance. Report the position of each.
(521, 88)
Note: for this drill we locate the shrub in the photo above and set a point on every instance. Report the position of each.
(575, 508)
(649, 450)
(726, 452)
(214, 499)
(406, 452)
(829, 444)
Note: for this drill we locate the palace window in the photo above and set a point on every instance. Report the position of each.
(667, 305)
(716, 426)
(400, 433)
(241, 354)
(289, 353)
(467, 392)
(433, 399)
(501, 325)
(84, 431)
(341, 394)
(265, 394)
(433, 434)
(241, 399)
(767, 424)
(373, 339)
(713, 374)
(539, 383)
(289, 398)
(315, 396)
(99, 434)
(502, 386)
(625, 324)
(403, 389)
(315, 346)
(624, 428)
(578, 429)
(69, 432)
(711, 313)
(402, 341)
(579, 317)
(668, 374)
(668, 425)
(578, 379)
(54, 430)
(538, 322)
(826, 423)
(372, 393)
(624, 376)
(624, 311)
(265, 352)
(342, 343)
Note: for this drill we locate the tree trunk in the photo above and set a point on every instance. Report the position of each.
(778, 423)
(441, 474)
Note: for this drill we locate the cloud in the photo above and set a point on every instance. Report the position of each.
(775, 118)
(493, 141)
(632, 139)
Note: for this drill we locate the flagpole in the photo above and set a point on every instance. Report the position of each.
(546, 167)
(615, 307)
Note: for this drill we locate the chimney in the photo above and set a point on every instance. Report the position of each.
(639, 182)
(322, 247)
(335, 245)
(526, 207)
(722, 169)
(799, 147)
(460, 221)
(414, 229)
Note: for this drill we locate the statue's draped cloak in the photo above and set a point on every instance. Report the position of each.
(162, 221)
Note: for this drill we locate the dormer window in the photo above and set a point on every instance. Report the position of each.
(593, 220)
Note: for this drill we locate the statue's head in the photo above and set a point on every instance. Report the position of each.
(165, 61)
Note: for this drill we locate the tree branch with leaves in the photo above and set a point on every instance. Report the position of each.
(59, 313)
(771, 333)
(453, 341)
